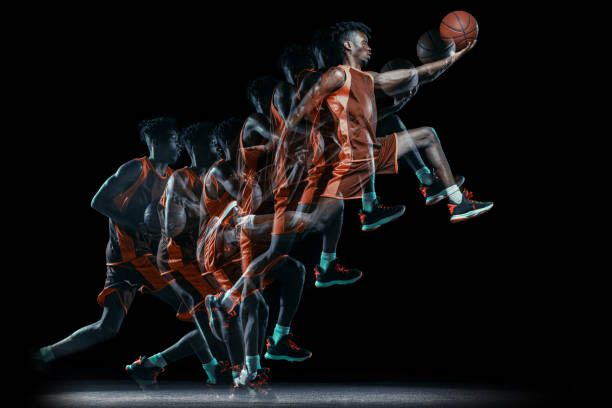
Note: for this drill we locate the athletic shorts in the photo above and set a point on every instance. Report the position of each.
(345, 180)
(139, 274)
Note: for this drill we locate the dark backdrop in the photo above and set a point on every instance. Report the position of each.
(479, 301)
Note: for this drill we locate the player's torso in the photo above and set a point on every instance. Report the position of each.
(353, 114)
(174, 252)
(125, 244)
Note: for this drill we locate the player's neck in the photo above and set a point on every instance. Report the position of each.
(352, 62)
(158, 165)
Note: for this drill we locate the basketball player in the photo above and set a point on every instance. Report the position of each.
(180, 218)
(130, 253)
(348, 92)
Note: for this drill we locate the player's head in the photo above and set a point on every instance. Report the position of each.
(293, 60)
(259, 92)
(161, 137)
(225, 137)
(350, 39)
(322, 49)
(197, 139)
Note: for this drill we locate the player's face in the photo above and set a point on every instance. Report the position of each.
(170, 148)
(361, 49)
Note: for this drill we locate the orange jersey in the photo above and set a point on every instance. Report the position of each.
(176, 252)
(218, 250)
(124, 244)
(353, 113)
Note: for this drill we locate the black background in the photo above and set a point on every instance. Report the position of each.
(481, 301)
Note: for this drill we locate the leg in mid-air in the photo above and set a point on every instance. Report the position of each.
(461, 206)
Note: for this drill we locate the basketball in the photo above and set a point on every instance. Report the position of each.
(151, 218)
(460, 27)
(431, 47)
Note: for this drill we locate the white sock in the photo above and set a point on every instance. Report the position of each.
(252, 363)
(454, 194)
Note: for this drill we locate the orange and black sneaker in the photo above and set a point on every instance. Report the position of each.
(467, 208)
(380, 215)
(286, 349)
(437, 192)
(336, 274)
(223, 375)
(145, 377)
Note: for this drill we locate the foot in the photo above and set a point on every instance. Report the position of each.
(145, 377)
(218, 318)
(256, 383)
(380, 215)
(223, 375)
(286, 349)
(336, 274)
(437, 192)
(468, 208)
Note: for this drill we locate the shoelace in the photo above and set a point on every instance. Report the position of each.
(341, 268)
(292, 345)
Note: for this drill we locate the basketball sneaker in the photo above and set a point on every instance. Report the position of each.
(256, 382)
(437, 192)
(145, 377)
(286, 349)
(336, 274)
(380, 215)
(223, 374)
(468, 208)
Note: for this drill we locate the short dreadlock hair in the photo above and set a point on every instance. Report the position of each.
(341, 32)
(157, 128)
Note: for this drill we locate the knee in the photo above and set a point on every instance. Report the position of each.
(432, 135)
(107, 330)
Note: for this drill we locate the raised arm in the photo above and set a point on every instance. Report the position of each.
(107, 200)
(395, 82)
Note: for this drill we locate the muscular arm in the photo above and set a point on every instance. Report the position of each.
(227, 177)
(103, 201)
(330, 82)
(396, 82)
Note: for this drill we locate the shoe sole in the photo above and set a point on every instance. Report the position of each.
(442, 194)
(287, 358)
(470, 214)
(380, 223)
(337, 282)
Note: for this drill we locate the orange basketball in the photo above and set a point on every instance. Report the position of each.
(460, 27)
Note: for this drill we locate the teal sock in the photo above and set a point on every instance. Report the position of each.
(326, 259)
(46, 354)
(210, 369)
(279, 332)
(424, 176)
(157, 360)
(368, 200)
(252, 363)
